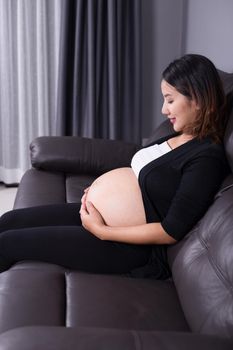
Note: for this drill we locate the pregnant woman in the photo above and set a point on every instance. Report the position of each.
(129, 216)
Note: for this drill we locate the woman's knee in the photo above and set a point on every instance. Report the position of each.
(7, 219)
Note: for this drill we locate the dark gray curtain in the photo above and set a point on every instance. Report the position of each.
(100, 69)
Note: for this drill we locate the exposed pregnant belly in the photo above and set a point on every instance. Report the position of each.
(117, 196)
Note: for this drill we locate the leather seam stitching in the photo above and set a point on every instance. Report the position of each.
(216, 268)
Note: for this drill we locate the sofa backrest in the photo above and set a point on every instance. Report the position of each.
(202, 263)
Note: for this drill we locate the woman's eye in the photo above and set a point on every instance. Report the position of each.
(171, 101)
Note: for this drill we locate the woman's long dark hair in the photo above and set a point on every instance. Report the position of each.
(196, 77)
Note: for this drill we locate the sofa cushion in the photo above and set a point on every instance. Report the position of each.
(80, 155)
(61, 338)
(202, 268)
(32, 294)
(74, 186)
(122, 302)
(39, 187)
(42, 294)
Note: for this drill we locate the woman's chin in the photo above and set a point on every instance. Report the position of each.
(176, 128)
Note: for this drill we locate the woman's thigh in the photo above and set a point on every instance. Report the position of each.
(72, 247)
(47, 215)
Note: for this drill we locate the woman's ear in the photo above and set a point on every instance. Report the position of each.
(196, 105)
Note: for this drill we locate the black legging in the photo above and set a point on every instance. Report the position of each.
(54, 234)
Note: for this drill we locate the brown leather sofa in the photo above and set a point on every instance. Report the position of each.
(43, 306)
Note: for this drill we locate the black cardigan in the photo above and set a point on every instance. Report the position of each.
(178, 187)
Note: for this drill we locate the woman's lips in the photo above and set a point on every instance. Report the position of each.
(172, 120)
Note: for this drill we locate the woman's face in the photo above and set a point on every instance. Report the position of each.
(180, 110)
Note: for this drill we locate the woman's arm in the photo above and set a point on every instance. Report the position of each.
(152, 233)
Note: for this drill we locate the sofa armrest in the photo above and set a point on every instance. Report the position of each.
(62, 338)
(80, 155)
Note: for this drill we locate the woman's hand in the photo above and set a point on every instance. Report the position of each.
(92, 220)
(84, 197)
(150, 233)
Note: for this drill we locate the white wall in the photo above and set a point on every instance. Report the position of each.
(174, 27)
(162, 41)
(210, 31)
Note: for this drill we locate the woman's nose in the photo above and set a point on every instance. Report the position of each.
(164, 109)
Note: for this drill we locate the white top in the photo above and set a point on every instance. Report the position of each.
(146, 155)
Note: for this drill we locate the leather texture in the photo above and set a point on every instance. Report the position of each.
(80, 155)
(32, 295)
(40, 187)
(81, 338)
(202, 269)
(49, 295)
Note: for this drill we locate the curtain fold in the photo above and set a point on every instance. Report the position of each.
(67, 67)
(29, 45)
(99, 91)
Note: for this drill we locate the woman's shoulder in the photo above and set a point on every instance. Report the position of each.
(210, 153)
(201, 153)
(208, 146)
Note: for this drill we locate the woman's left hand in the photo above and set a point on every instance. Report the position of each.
(92, 220)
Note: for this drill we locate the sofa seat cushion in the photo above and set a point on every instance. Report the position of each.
(39, 187)
(33, 294)
(122, 302)
(61, 338)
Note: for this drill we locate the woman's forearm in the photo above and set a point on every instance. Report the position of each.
(152, 233)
